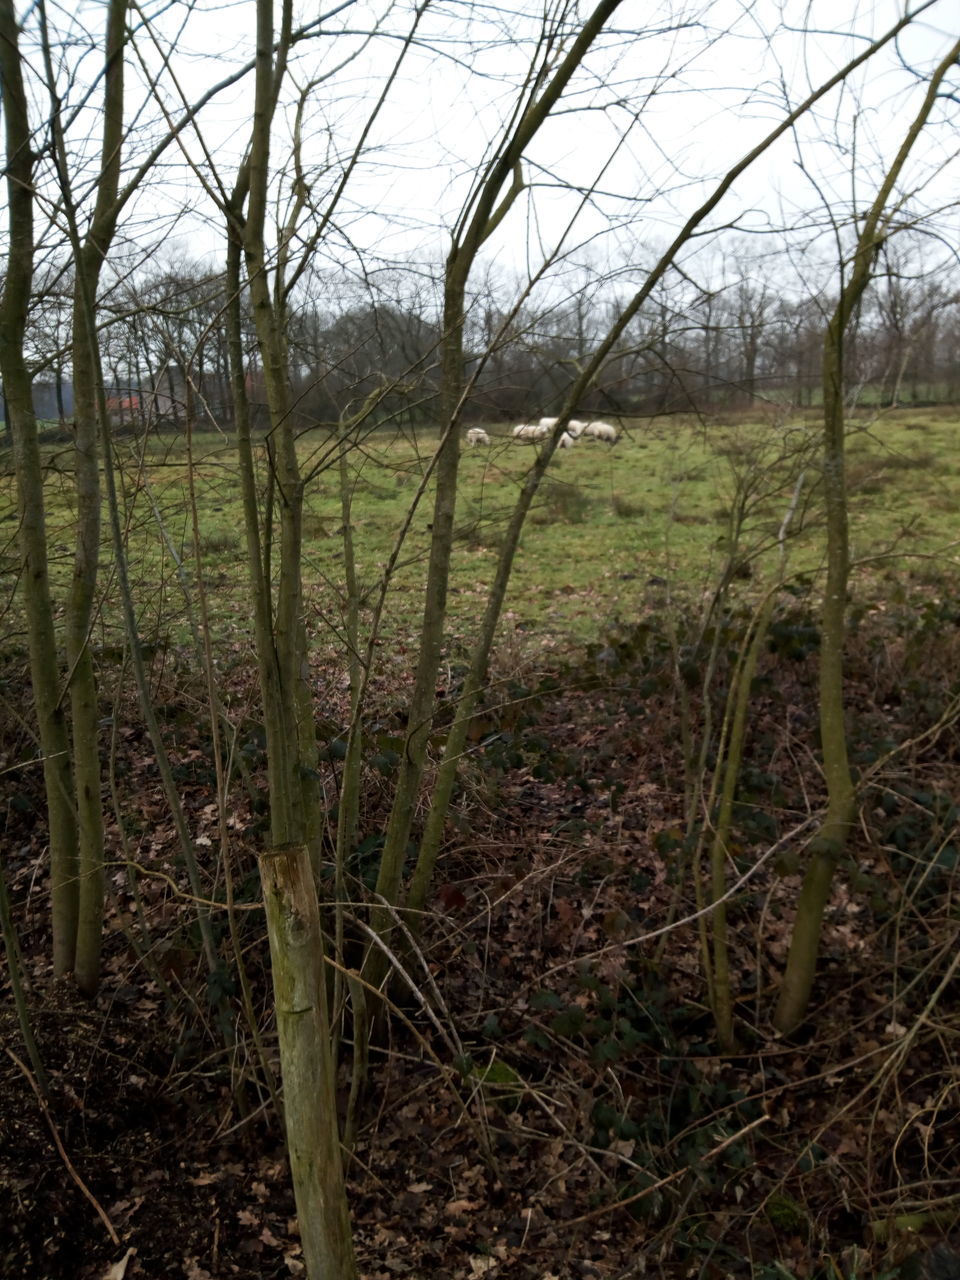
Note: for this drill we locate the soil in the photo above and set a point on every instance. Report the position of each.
(549, 1100)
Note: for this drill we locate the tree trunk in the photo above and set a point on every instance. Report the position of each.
(88, 399)
(297, 960)
(457, 737)
(41, 634)
(287, 869)
(479, 220)
(831, 840)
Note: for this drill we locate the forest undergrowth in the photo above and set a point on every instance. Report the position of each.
(549, 1101)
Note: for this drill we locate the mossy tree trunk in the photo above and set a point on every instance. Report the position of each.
(288, 868)
(458, 734)
(830, 841)
(41, 633)
(309, 1096)
(73, 794)
(495, 193)
(88, 424)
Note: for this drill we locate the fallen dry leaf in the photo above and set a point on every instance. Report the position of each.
(119, 1269)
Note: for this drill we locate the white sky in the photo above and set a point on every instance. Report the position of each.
(670, 97)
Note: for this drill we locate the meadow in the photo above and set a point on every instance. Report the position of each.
(663, 514)
(566, 843)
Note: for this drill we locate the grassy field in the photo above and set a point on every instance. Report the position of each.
(673, 502)
(567, 849)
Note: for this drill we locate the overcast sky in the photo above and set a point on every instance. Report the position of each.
(671, 96)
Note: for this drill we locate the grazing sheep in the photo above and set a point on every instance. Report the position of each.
(602, 431)
(575, 428)
(530, 431)
(540, 431)
(477, 435)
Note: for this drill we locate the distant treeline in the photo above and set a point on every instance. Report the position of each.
(750, 343)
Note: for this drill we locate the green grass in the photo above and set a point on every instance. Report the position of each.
(659, 505)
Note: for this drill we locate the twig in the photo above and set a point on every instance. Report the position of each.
(15, 969)
(101, 1213)
(671, 1177)
(734, 889)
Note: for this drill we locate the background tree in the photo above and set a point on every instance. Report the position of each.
(394, 357)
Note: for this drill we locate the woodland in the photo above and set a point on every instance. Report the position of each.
(443, 852)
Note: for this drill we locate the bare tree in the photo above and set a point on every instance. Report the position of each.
(44, 670)
(857, 267)
(376, 361)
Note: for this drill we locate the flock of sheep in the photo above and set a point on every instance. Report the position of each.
(540, 430)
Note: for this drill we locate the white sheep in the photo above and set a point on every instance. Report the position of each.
(477, 435)
(541, 430)
(575, 428)
(602, 431)
(530, 431)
